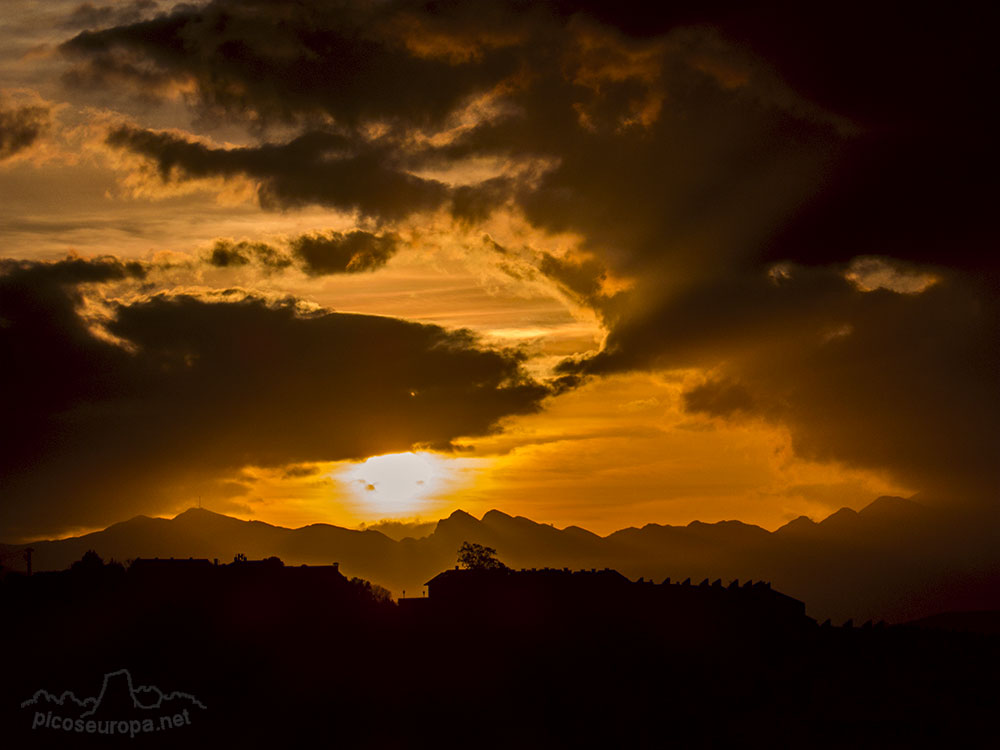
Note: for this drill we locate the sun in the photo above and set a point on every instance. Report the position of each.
(395, 483)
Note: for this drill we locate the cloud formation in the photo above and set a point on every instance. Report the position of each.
(799, 224)
(227, 254)
(314, 168)
(866, 378)
(879, 379)
(290, 62)
(90, 16)
(114, 408)
(668, 126)
(316, 253)
(20, 127)
(339, 252)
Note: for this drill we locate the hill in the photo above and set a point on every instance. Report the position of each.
(894, 560)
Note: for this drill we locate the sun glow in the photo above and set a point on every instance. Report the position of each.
(396, 483)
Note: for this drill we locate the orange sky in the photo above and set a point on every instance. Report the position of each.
(617, 219)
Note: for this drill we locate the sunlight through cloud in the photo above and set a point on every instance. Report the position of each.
(397, 483)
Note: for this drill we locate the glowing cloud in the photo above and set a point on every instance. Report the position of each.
(397, 484)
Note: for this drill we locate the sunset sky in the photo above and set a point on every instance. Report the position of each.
(590, 263)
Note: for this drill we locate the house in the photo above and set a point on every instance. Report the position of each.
(595, 595)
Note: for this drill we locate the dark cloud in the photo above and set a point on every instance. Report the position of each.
(20, 127)
(730, 161)
(337, 252)
(316, 253)
(903, 382)
(91, 16)
(177, 390)
(737, 181)
(471, 204)
(315, 168)
(582, 80)
(300, 471)
(911, 182)
(631, 174)
(719, 397)
(226, 253)
(274, 60)
(579, 277)
(702, 183)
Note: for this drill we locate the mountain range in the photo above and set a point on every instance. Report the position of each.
(895, 560)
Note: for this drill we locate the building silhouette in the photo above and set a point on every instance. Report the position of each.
(596, 596)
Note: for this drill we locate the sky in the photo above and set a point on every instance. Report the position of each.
(595, 264)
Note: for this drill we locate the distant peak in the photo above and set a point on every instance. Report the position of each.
(802, 523)
(459, 518)
(890, 504)
(201, 516)
(580, 531)
(497, 515)
(458, 523)
(842, 513)
(199, 513)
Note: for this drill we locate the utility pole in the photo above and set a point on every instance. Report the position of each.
(27, 557)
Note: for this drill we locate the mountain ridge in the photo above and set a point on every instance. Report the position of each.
(886, 562)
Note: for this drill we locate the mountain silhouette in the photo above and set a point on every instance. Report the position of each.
(894, 560)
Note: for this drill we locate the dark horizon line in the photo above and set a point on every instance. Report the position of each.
(910, 501)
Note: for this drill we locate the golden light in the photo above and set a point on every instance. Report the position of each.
(396, 483)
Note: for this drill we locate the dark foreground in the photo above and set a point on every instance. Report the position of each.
(267, 661)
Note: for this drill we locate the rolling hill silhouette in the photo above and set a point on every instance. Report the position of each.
(894, 560)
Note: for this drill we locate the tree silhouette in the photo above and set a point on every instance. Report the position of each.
(477, 557)
(92, 568)
(372, 591)
(89, 563)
